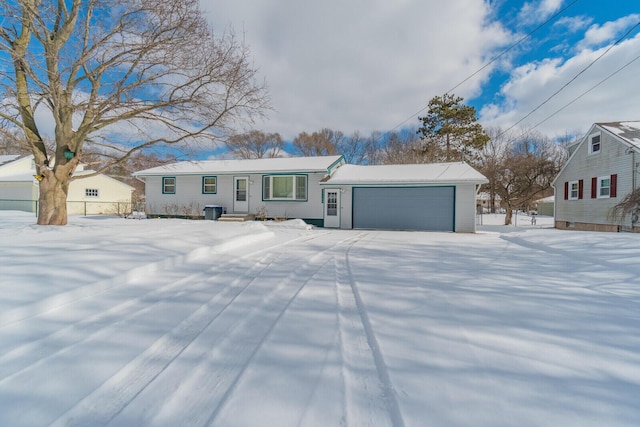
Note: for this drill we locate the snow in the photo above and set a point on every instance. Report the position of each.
(126, 322)
(419, 173)
(278, 164)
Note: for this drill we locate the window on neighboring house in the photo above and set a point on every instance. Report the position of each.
(594, 145)
(606, 186)
(284, 187)
(573, 190)
(91, 192)
(209, 184)
(168, 185)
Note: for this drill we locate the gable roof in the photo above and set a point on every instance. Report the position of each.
(627, 131)
(8, 158)
(272, 165)
(440, 173)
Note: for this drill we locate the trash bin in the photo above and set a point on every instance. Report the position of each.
(212, 212)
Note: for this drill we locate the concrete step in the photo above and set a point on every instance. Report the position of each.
(237, 217)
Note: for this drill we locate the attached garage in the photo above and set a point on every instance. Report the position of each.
(404, 208)
(424, 197)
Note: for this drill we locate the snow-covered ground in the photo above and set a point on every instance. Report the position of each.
(121, 322)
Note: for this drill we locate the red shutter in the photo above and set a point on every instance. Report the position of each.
(613, 192)
(594, 187)
(580, 188)
(566, 191)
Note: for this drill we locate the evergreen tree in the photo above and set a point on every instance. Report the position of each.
(450, 131)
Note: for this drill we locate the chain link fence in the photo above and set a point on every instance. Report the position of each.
(81, 207)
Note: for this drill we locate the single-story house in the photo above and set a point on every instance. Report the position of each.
(434, 197)
(286, 187)
(602, 169)
(323, 191)
(97, 194)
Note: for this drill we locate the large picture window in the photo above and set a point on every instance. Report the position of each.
(209, 185)
(284, 187)
(168, 185)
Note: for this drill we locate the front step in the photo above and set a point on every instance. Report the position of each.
(236, 217)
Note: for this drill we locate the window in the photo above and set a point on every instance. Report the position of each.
(168, 185)
(91, 192)
(573, 190)
(284, 187)
(594, 144)
(209, 185)
(604, 186)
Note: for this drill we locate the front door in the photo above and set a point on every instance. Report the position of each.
(332, 208)
(241, 194)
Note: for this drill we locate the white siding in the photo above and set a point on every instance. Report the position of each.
(18, 196)
(613, 158)
(189, 200)
(465, 208)
(114, 197)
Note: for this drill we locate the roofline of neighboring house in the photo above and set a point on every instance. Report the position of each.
(584, 138)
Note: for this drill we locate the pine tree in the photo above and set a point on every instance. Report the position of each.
(450, 131)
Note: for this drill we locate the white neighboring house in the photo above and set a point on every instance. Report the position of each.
(601, 171)
(99, 194)
(429, 197)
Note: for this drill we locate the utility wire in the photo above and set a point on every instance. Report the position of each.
(573, 78)
(492, 60)
(587, 91)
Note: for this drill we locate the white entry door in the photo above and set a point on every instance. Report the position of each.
(241, 194)
(332, 208)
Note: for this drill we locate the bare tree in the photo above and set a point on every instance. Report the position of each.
(527, 166)
(115, 77)
(255, 145)
(629, 207)
(316, 143)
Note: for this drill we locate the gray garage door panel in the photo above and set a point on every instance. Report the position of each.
(415, 208)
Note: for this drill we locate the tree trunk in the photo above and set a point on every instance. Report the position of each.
(52, 206)
(508, 216)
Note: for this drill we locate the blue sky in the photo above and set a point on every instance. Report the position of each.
(371, 65)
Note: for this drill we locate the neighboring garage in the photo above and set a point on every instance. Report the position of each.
(425, 197)
(404, 208)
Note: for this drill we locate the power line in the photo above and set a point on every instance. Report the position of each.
(492, 60)
(587, 91)
(573, 78)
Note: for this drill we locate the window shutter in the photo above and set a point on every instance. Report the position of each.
(566, 190)
(594, 187)
(580, 188)
(613, 192)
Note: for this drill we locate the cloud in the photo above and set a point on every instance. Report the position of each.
(535, 12)
(574, 23)
(361, 65)
(598, 35)
(531, 84)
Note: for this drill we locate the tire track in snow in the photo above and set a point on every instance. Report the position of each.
(106, 402)
(24, 356)
(235, 345)
(369, 393)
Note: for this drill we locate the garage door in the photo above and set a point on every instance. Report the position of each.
(415, 208)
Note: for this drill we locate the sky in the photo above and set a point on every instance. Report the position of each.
(373, 65)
